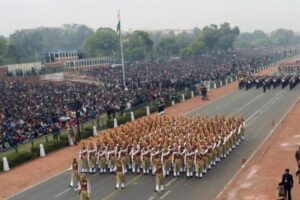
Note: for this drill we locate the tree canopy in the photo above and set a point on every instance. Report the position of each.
(26, 45)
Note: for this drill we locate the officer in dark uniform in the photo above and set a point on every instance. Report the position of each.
(287, 181)
(161, 105)
(264, 87)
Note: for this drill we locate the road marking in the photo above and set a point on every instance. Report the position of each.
(170, 182)
(247, 104)
(163, 196)
(34, 185)
(117, 191)
(258, 148)
(261, 110)
(153, 196)
(208, 103)
(66, 190)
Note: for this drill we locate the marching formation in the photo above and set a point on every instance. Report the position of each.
(161, 146)
(269, 81)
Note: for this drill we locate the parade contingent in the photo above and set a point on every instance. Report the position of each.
(267, 82)
(161, 146)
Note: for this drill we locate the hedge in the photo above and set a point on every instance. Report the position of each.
(15, 159)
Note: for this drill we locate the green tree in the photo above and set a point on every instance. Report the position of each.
(211, 36)
(167, 47)
(227, 36)
(283, 37)
(102, 43)
(139, 45)
(3, 48)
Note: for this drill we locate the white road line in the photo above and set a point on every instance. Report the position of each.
(32, 186)
(170, 182)
(152, 197)
(210, 102)
(260, 109)
(163, 196)
(258, 148)
(62, 192)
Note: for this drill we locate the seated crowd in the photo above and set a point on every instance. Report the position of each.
(29, 110)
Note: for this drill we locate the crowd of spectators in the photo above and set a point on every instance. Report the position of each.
(30, 110)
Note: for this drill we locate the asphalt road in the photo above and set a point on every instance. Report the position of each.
(258, 109)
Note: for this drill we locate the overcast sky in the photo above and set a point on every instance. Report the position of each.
(249, 15)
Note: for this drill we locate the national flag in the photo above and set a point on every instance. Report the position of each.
(119, 24)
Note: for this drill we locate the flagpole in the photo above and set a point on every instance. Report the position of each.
(122, 53)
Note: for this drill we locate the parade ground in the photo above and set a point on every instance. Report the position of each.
(262, 112)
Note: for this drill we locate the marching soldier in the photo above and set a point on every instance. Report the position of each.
(165, 159)
(189, 162)
(135, 155)
(111, 157)
(84, 188)
(145, 158)
(120, 177)
(176, 161)
(101, 155)
(155, 158)
(123, 157)
(83, 158)
(92, 158)
(159, 178)
(199, 163)
(74, 173)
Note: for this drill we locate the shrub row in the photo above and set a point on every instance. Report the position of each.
(15, 159)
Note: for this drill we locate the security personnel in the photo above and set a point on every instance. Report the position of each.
(135, 156)
(199, 163)
(83, 158)
(287, 181)
(84, 188)
(101, 155)
(120, 177)
(75, 177)
(92, 158)
(145, 158)
(176, 161)
(159, 178)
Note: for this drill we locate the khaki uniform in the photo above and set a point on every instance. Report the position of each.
(159, 178)
(167, 164)
(199, 164)
(75, 177)
(189, 164)
(92, 160)
(83, 192)
(136, 160)
(84, 160)
(111, 160)
(120, 178)
(146, 162)
(124, 160)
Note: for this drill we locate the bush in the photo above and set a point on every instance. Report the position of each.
(15, 159)
(121, 120)
(140, 113)
(88, 131)
(64, 137)
(50, 146)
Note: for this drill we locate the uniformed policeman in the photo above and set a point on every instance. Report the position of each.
(83, 158)
(92, 158)
(84, 188)
(75, 177)
(120, 177)
(159, 178)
